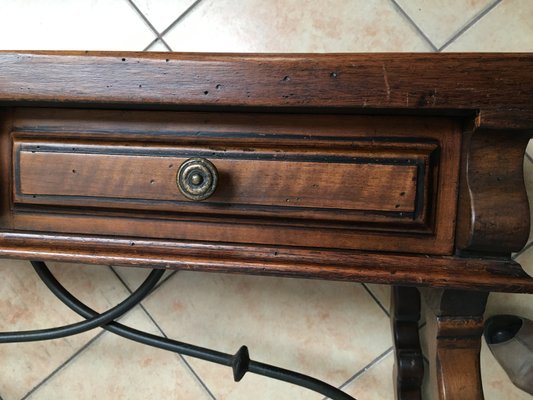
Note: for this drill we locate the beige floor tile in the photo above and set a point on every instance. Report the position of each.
(496, 383)
(376, 383)
(117, 368)
(530, 148)
(295, 26)
(441, 19)
(133, 277)
(424, 340)
(162, 13)
(329, 330)
(72, 25)
(25, 303)
(382, 293)
(525, 259)
(426, 389)
(515, 304)
(157, 46)
(507, 27)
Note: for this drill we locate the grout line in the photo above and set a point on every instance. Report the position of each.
(366, 368)
(130, 290)
(148, 269)
(147, 48)
(176, 21)
(152, 27)
(63, 365)
(526, 248)
(376, 300)
(469, 24)
(166, 279)
(413, 23)
(180, 356)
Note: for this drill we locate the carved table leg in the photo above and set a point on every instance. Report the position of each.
(409, 366)
(454, 327)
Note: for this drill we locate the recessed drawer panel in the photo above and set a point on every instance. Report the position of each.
(51, 173)
(307, 180)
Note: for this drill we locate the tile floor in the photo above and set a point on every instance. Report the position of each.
(335, 331)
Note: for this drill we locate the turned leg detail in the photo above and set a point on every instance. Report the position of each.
(409, 365)
(454, 328)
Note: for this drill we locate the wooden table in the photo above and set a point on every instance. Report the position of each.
(403, 169)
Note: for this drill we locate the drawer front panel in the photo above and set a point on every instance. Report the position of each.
(334, 181)
(339, 182)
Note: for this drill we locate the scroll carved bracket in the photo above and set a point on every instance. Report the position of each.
(493, 214)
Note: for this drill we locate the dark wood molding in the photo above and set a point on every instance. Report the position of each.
(400, 169)
(493, 214)
(497, 88)
(501, 274)
(454, 327)
(376, 183)
(321, 98)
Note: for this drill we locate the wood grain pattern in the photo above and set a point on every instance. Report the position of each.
(338, 181)
(335, 181)
(496, 87)
(454, 327)
(493, 215)
(6, 182)
(399, 139)
(501, 274)
(260, 232)
(449, 114)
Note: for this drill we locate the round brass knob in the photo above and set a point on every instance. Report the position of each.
(197, 178)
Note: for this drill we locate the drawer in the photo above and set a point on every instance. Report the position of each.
(336, 181)
(296, 183)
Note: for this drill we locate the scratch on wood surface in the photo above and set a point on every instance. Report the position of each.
(386, 79)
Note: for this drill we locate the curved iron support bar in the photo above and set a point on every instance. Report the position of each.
(240, 362)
